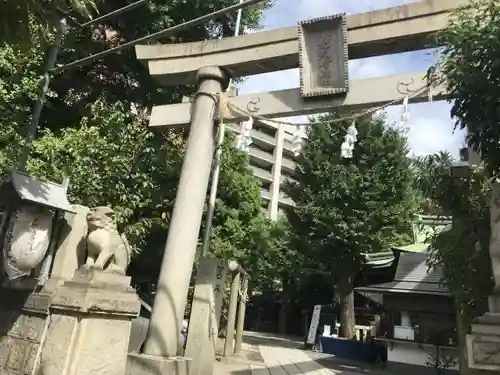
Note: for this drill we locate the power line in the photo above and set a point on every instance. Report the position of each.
(155, 36)
(114, 13)
(101, 18)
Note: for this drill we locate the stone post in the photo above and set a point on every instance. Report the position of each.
(173, 283)
(219, 288)
(231, 316)
(240, 323)
(90, 325)
(483, 344)
(71, 245)
(202, 323)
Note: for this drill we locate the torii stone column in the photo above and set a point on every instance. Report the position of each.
(171, 292)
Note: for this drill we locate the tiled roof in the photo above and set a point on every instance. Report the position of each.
(419, 247)
(412, 276)
(28, 188)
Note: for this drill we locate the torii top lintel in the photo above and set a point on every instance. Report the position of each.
(393, 30)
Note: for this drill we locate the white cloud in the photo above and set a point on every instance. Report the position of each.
(431, 128)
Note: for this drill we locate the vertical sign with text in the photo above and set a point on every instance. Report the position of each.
(313, 328)
(219, 286)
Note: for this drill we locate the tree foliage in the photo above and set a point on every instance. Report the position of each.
(470, 68)
(120, 76)
(112, 159)
(425, 169)
(94, 131)
(22, 23)
(346, 208)
(462, 251)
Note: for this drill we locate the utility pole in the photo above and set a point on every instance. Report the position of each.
(37, 109)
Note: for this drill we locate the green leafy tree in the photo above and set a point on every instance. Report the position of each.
(21, 20)
(462, 251)
(240, 227)
(348, 207)
(19, 81)
(469, 69)
(120, 76)
(426, 169)
(113, 159)
(94, 130)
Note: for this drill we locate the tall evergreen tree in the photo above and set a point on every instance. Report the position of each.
(91, 133)
(346, 208)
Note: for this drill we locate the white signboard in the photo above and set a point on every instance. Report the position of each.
(313, 328)
(327, 331)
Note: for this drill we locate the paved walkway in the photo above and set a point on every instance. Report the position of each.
(265, 354)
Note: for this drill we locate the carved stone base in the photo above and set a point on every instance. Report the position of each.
(90, 325)
(483, 344)
(22, 320)
(140, 364)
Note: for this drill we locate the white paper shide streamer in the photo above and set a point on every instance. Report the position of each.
(27, 240)
(244, 139)
(297, 141)
(351, 137)
(405, 114)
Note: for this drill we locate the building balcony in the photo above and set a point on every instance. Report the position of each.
(261, 158)
(263, 141)
(287, 149)
(262, 174)
(285, 201)
(265, 194)
(288, 165)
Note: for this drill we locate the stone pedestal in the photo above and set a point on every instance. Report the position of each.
(89, 326)
(142, 364)
(23, 317)
(24, 313)
(483, 344)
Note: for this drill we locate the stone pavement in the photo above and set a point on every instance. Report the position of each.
(265, 354)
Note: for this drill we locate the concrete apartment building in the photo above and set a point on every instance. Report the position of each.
(272, 161)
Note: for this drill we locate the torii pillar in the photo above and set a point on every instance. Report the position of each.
(162, 339)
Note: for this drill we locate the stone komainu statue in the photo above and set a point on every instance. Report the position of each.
(107, 250)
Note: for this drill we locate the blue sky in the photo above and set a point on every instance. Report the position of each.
(430, 125)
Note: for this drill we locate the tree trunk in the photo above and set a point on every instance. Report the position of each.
(285, 305)
(347, 319)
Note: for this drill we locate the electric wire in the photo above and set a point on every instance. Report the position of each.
(155, 36)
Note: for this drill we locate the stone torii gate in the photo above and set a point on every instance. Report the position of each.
(321, 49)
